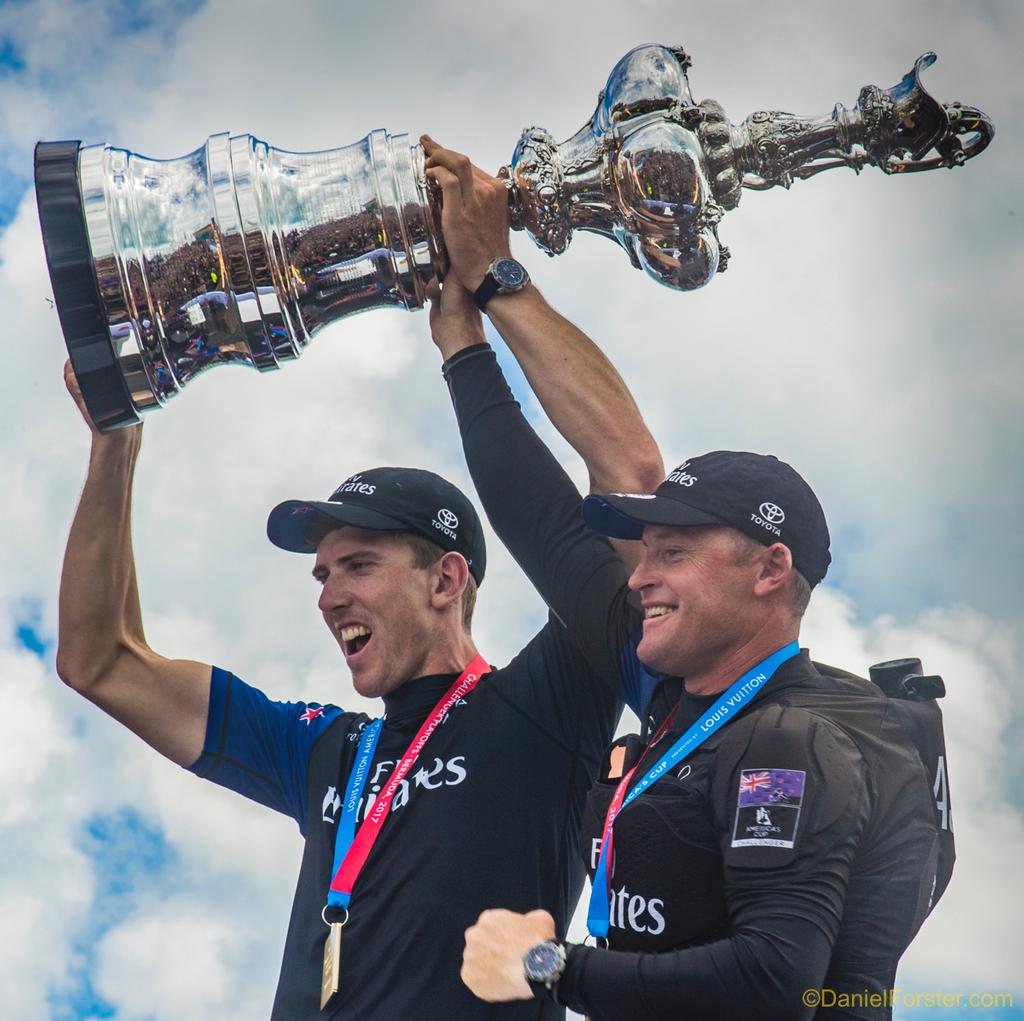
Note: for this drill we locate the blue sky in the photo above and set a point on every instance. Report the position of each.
(27, 631)
(867, 331)
(128, 855)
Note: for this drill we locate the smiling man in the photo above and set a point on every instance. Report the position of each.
(773, 829)
(468, 788)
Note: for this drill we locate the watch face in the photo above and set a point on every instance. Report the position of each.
(509, 273)
(542, 962)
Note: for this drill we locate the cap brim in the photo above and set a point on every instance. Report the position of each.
(291, 523)
(625, 517)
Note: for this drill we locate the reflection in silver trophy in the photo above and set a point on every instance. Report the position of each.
(240, 252)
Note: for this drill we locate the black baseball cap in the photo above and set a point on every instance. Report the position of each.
(387, 500)
(757, 494)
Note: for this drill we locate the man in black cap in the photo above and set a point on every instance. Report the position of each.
(468, 792)
(362, 535)
(771, 833)
(767, 858)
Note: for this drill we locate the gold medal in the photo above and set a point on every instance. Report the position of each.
(332, 965)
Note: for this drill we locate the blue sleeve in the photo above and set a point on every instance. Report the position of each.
(260, 748)
(638, 682)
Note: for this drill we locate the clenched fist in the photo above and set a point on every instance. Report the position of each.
(492, 963)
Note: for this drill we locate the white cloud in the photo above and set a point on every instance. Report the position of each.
(45, 883)
(178, 961)
(969, 942)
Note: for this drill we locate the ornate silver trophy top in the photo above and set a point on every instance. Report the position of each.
(656, 171)
(240, 252)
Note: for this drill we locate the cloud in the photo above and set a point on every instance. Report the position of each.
(46, 883)
(976, 661)
(141, 970)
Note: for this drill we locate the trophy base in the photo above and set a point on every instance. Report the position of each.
(237, 253)
(75, 292)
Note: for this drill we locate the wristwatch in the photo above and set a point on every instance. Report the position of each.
(504, 276)
(544, 963)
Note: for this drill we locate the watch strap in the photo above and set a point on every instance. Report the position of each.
(543, 991)
(491, 284)
(487, 290)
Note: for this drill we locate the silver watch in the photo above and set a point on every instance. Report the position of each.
(504, 276)
(544, 963)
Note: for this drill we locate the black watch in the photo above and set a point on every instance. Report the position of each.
(504, 276)
(544, 963)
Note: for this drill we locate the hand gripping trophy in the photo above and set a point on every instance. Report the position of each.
(240, 252)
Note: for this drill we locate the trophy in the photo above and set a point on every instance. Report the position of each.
(240, 252)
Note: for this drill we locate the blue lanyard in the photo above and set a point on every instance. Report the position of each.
(733, 700)
(353, 792)
(346, 868)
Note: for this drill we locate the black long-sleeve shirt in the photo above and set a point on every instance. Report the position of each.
(795, 850)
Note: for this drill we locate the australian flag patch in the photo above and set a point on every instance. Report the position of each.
(768, 808)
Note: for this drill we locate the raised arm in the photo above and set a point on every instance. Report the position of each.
(581, 392)
(102, 651)
(578, 388)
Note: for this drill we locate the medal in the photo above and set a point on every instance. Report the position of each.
(332, 965)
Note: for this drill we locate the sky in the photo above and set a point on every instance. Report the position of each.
(867, 331)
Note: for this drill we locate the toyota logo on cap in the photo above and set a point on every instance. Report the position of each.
(447, 518)
(772, 512)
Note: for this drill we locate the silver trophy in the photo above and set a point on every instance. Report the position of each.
(240, 252)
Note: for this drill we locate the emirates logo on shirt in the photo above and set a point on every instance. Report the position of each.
(431, 776)
(629, 910)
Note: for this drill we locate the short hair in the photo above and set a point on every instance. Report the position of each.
(800, 590)
(800, 594)
(425, 554)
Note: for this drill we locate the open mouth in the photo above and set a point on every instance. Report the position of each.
(354, 639)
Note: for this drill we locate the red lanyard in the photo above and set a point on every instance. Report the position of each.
(348, 872)
(608, 834)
